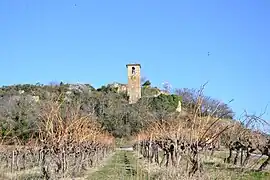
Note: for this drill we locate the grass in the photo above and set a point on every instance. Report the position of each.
(258, 175)
(32, 173)
(122, 166)
(213, 169)
(122, 142)
(220, 170)
(127, 165)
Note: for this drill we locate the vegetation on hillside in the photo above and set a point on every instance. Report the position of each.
(20, 106)
(73, 126)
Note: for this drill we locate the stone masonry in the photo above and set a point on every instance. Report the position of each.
(134, 82)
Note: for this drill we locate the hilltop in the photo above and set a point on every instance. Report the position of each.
(109, 104)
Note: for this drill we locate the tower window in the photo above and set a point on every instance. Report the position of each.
(133, 71)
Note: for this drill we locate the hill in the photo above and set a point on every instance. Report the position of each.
(72, 119)
(109, 104)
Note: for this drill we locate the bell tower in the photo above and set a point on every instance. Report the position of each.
(134, 82)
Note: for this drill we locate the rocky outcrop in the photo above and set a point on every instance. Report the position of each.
(79, 88)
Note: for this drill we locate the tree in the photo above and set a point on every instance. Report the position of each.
(163, 105)
(146, 83)
(209, 105)
(18, 117)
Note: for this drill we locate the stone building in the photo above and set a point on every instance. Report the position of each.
(134, 82)
(121, 88)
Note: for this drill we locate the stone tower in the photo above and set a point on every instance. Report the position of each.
(134, 82)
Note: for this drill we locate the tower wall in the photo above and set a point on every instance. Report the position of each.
(134, 82)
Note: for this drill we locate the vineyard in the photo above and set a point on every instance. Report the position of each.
(79, 139)
(186, 146)
(64, 145)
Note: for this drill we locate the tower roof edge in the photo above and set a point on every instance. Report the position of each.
(133, 65)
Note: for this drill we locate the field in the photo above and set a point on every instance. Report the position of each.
(130, 165)
(72, 140)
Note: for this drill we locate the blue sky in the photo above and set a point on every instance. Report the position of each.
(92, 41)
